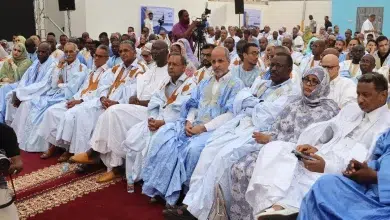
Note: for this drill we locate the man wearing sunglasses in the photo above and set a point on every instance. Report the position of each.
(342, 90)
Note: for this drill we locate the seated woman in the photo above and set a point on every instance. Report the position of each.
(363, 190)
(312, 107)
(11, 72)
(180, 48)
(14, 68)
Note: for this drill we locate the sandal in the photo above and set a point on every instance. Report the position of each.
(49, 153)
(65, 157)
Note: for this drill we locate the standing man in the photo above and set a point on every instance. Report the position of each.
(327, 23)
(368, 27)
(149, 22)
(313, 24)
(183, 29)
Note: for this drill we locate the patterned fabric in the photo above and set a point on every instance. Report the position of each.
(293, 120)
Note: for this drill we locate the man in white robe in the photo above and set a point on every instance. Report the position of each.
(54, 118)
(368, 27)
(342, 90)
(332, 144)
(296, 56)
(351, 68)
(164, 107)
(113, 124)
(210, 37)
(230, 45)
(313, 60)
(66, 80)
(77, 129)
(207, 70)
(254, 109)
(298, 43)
(34, 82)
(221, 41)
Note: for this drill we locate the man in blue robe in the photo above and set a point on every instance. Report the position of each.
(66, 80)
(33, 83)
(248, 71)
(363, 192)
(176, 147)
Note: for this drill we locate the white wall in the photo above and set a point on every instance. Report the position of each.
(96, 16)
(52, 10)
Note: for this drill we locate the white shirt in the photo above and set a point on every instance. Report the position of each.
(298, 44)
(342, 91)
(150, 82)
(368, 120)
(210, 40)
(367, 26)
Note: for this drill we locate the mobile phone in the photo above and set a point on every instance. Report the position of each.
(301, 156)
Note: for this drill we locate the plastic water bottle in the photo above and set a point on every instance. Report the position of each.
(129, 177)
(65, 167)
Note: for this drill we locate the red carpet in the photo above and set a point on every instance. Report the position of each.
(44, 191)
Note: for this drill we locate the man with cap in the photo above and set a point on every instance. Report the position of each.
(147, 55)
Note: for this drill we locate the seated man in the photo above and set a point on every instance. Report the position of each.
(176, 147)
(342, 90)
(351, 68)
(33, 82)
(230, 45)
(206, 71)
(255, 109)
(363, 188)
(312, 60)
(248, 71)
(77, 129)
(296, 56)
(331, 144)
(67, 79)
(56, 53)
(115, 59)
(113, 124)
(53, 120)
(162, 110)
(240, 58)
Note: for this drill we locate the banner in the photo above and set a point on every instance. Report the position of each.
(252, 18)
(162, 14)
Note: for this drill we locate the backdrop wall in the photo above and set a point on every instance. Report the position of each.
(96, 16)
(344, 13)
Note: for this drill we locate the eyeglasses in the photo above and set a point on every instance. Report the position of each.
(206, 54)
(310, 82)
